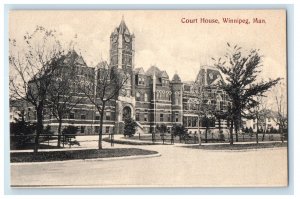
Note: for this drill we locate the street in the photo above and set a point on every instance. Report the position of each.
(177, 166)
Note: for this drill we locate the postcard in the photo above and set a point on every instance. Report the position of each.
(148, 98)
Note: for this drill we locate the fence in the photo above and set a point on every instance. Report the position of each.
(48, 141)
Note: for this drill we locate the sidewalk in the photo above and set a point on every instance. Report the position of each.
(91, 142)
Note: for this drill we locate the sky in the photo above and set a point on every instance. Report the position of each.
(161, 37)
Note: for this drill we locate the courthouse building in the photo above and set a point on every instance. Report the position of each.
(150, 96)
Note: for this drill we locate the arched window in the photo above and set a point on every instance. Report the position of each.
(138, 96)
(146, 97)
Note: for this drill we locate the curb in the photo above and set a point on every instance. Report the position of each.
(87, 160)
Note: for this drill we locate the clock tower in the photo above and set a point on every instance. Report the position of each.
(122, 52)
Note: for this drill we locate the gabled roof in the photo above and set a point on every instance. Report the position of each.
(139, 71)
(164, 74)
(153, 70)
(73, 56)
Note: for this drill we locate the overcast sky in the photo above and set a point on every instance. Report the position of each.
(161, 38)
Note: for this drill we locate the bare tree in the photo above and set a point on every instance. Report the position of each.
(241, 72)
(206, 111)
(62, 96)
(32, 65)
(259, 113)
(103, 89)
(280, 116)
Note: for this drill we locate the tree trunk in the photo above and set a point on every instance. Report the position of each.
(59, 133)
(257, 131)
(219, 125)
(101, 126)
(39, 128)
(206, 130)
(236, 130)
(231, 132)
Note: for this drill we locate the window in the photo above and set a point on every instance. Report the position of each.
(128, 93)
(146, 97)
(137, 117)
(107, 129)
(97, 129)
(34, 115)
(107, 115)
(161, 117)
(82, 128)
(169, 118)
(141, 80)
(138, 96)
(72, 116)
(176, 117)
(97, 117)
(146, 117)
(82, 117)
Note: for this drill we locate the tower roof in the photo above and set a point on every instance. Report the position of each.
(176, 78)
(122, 27)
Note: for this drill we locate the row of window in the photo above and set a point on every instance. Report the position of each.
(139, 97)
(141, 80)
(159, 96)
(107, 116)
(97, 129)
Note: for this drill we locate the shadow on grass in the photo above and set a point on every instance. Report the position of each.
(32, 145)
(76, 154)
(239, 146)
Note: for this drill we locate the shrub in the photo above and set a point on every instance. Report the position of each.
(129, 127)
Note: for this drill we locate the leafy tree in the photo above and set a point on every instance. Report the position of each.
(246, 130)
(241, 72)
(32, 65)
(162, 128)
(69, 132)
(207, 122)
(250, 131)
(21, 131)
(129, 127)
(179, 130)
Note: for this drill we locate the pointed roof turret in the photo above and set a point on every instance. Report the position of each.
(122, 27)
(176, 78)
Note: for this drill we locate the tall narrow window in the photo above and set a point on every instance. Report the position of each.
(146, 97)
(107, 115)
(72, 116)
(138, 96)
(161, 117)
(176, 117)
(107, 129)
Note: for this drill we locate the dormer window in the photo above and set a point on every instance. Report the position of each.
(141, 81)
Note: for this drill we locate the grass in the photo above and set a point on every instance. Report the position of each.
(239, 146)
(76, 154)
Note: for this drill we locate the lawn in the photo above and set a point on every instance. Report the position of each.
(76, 154)
(236, 146)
